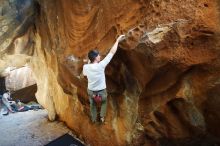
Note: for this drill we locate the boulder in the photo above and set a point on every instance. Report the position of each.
(163, 83)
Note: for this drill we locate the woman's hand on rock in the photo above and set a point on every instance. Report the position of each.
(121, 37)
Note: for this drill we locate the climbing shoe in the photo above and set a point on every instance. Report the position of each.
(102, 119)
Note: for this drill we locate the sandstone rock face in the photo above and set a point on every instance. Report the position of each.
(16, 42)
(19, 78)
(163, 83)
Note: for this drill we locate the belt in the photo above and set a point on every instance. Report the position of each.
(98, 90)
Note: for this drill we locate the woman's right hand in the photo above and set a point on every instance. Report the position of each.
(121, 37)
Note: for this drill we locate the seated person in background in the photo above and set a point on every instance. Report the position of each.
(18, 106)
(21, 107)
(5, 99)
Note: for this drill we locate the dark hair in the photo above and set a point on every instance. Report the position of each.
(17, 100)
(92, 55)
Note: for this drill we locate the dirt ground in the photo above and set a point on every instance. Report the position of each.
(31, 128)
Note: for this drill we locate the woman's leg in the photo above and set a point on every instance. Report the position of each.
(103, 93)
(93, 110)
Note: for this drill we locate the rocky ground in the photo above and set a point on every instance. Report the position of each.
(31, 128)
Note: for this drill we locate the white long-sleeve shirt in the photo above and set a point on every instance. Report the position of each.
(95, 73)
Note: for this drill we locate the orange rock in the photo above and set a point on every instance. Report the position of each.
(163, 82)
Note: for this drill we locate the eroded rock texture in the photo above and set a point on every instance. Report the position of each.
(17, 79)
(163, 83)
